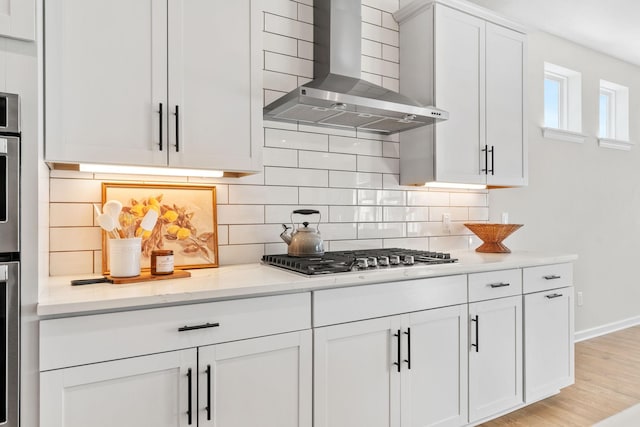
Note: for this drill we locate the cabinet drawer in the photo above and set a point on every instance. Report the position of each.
(536, 279)
(365, 302)
(87, 339)
(494, 284)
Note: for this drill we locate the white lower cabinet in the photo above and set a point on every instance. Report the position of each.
(495, 356)
(140, 391)
(404, 370)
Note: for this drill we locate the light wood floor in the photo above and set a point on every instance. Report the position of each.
(607, 382)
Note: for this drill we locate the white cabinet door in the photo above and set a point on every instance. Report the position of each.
(434, 388)
(215, 53)
(106, 75)
(495, 356)
(548, 342)
(505, 114)
(356, 383)
(459, 89)
(139, 391)
(18, 19)
(262, 382)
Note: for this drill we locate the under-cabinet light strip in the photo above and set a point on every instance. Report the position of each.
(144, 170)
(455, 185)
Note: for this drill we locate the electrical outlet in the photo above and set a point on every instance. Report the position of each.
(446, 222)
(580, 299)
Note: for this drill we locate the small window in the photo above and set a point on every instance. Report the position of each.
(613, 111)
(562, 98)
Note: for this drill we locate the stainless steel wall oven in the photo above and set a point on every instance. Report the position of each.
(9, 259)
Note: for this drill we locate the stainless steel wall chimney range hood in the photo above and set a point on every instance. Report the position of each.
(338, 97)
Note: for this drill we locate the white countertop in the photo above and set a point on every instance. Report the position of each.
(59, 298)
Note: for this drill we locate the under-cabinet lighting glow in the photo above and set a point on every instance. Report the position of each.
(144, 170)
(455, 185)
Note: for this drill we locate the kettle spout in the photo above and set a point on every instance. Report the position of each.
(286, 235)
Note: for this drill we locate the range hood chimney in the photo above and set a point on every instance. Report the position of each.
(338, 97)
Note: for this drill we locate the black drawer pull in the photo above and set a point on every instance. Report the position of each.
(189, 397)
(398, 335)
(408, 359)
(192, 328)
(499, 285)
(551, 277)
(553, 296)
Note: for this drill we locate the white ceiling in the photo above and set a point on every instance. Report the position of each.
(612, 27)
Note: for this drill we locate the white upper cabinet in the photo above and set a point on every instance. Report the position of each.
(166, 89)
(467, 61)
(18, 19)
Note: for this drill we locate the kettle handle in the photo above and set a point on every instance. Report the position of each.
(307, 212)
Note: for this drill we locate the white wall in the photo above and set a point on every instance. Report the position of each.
(582, 198)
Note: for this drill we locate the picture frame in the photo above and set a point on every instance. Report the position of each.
(187, 221)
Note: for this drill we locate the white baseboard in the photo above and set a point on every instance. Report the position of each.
(606, 329)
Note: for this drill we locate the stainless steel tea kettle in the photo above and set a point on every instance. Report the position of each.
(304, 241)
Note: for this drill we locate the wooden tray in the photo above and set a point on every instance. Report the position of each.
(146, 276)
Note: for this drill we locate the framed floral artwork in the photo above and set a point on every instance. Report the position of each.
(186, 222)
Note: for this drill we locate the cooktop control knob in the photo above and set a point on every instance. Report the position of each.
(408, 259)
(394, 259)
(373, 261)
(383, 261)
(362, 263)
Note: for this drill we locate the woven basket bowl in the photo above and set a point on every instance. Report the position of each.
(492, 235)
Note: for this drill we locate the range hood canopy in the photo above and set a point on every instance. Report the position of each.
(338, 97)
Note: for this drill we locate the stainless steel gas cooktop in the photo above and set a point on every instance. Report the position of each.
(368, 259)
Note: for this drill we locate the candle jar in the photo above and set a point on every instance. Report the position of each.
(162, 262)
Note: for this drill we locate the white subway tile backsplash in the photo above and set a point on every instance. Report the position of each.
(305, 50)
(296, 140)
(339, 231)
(350, 245)
(75, 190)
(305, 13)
(285, 8)
(423, 229)
(282, 214)
(280, 157)
(260, 195)
(319, 160)
(449, 243)
(71, 214)
(279, 81)
(427, 198)
(240, 214)
(371, 15)
(457, 214)
(371, 48)
(69, 263)
(385, 5)
(277, 248)
(74, 239)
(258, 233)
(270, 96)
(378, 164)
(402, 213)
(327, 196)
(379, 34)
(478, 214)
(355, 214)
(326, 131)
(272, 124)
(288, 27)
(240, 254)
(378, 66)
(307, 2)
(391, 149)
(389, 22)
(288, 176)
(223, 234)
(382, 197)
(371, 78)
(417, 243)
(355, 179)
(390, 53)
(255, 179)
(290, 64)
(383, 230)
(391, 84)
(468, 199)
(340, 144)
(280, 44)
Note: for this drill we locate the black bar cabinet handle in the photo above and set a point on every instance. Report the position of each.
(486, 159)
(160, 116)
(189, 414)
(477, 344)
(177, 129)
(398, 362)
(499, 285)
(208, 392)
(551, 277)
(551, 296)
(408, 359)
(493, 164)
(191, 328)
